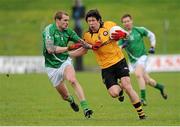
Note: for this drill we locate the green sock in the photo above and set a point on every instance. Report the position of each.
(159, 86)
(84, 104)
(143, 94)
(70, 99)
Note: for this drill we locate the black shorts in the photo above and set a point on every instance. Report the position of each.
(111, 74)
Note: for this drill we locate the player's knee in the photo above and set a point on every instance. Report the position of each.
(72, 80)
(114, 94)
(138, 74)
(147, 81)
(126, 85)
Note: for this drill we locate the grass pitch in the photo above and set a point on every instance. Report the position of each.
(30, 99)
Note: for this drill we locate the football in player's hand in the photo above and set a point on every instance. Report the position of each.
(116, 32)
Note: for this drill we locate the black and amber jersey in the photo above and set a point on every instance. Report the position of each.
(108, 54)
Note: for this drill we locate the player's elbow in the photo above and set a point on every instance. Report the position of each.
(50, 51)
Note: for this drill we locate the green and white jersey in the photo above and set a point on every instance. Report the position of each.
(135, 47)
(60, 38)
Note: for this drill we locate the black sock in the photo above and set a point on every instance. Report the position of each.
(139, 109)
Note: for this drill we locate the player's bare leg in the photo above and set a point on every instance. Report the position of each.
(63, 91)
(156, 85)
(139, 73)
(116, 91)
(126, 85)
(69, 74)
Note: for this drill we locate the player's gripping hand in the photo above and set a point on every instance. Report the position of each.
(74, 46)
(119, 34)
(152, 50)
(97, 45)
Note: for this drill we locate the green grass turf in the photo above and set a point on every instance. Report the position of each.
(30, 99)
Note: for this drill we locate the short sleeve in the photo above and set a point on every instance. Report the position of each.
(143, 31)
(48, 33)
(73, 36)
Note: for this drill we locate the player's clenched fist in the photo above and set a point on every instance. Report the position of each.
(74, 46)
(97, 45)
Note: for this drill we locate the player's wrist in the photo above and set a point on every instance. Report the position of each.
(70, 47)
(152, 50)
(67, 49)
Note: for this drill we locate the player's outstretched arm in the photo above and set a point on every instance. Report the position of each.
(152, 40)
(85, 44)
(78, 52)
(74, 46)
(52, 49)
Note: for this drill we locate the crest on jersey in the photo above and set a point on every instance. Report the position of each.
(105, 33)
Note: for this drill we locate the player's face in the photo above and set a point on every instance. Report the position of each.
(93, 23)
(63, 22)
(127, 23)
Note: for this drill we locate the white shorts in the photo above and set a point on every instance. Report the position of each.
(56, 75)
(141, 61)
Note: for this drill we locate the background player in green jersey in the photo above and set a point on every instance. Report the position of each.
(135, 48)
(58, 63)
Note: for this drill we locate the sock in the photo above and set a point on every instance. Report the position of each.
(139, 110)
(159, 86)
(143, 94)
(84, 104)
(121, 93)
(70, 99)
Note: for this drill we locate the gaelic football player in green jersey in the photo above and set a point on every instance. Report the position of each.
(58, 65)
(135, 48)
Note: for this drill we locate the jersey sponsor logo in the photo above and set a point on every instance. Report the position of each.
(105, 33)
(48, 37)
(56, 35)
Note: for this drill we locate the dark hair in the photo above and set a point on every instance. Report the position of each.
(94, 13)
(59, 14)
(125, 16)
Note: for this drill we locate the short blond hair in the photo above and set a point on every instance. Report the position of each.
(59, 14)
